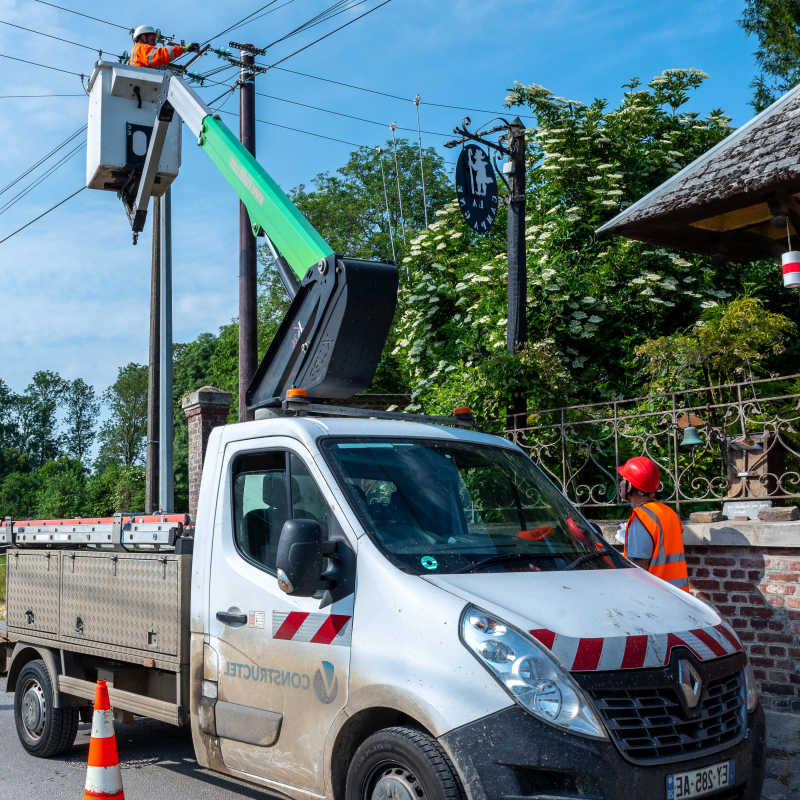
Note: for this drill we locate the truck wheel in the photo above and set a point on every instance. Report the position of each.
(43, 730)
(402, 764)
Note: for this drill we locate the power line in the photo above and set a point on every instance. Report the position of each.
(335, 30)
(44, 158)
(14, 200)
(297, 130)
(46, 66)
(349, 116)
(57, 38)
(8, 96)
(42, 215)
(395, 96)
(249, 18)
(329, 13)
(96, 19)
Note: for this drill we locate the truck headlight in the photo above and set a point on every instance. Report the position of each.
(751, 693)
(529, 673)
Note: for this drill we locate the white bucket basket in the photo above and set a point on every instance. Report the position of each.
(122, 110)
(791, 269)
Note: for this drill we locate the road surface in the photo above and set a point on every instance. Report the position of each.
(157, 759)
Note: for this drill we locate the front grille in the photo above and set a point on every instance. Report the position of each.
(650, 725)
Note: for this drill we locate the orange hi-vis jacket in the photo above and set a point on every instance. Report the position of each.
(663, 524)
(147, 55)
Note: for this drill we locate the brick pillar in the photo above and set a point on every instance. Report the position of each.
(205, 409)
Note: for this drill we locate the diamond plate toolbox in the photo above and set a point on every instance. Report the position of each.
(121, 605)
(32, 592)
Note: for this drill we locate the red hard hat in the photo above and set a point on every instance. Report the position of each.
(641, 473)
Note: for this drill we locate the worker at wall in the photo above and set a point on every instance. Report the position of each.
(654, 533)
(146, 54)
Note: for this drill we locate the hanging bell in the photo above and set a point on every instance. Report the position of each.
(691, 437)
(791, 269)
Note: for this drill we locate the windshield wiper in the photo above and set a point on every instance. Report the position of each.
(499, 559)
(585, 559)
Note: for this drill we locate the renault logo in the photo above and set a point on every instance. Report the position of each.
(690, 682)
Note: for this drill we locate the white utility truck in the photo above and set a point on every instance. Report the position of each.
(373, 609)
(368, 606)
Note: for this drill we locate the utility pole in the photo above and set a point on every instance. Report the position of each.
(517, 326)
(165, 474)
(248, 286)
(151, 471)
(510, 144)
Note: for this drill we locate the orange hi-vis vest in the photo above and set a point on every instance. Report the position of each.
(663, 524)
(147, 55)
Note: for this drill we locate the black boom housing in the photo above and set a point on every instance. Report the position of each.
(331, 340)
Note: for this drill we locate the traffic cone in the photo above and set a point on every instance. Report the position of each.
(103, 775)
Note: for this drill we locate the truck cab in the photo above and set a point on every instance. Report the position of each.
(389, 609)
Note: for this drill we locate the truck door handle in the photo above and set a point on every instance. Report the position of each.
(231, 619)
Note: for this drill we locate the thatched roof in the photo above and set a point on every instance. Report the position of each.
(723, 204)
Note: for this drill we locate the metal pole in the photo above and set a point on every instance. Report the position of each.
(151, 470)
(517, 325)
(248, 282)
(165, 475)
(379, 151)
(417, 101)
(392, 127)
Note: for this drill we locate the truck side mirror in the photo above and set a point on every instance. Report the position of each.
(300, 559)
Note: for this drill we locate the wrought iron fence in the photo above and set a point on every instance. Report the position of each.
(736, 441)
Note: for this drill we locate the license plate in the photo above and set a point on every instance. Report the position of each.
(699, 782)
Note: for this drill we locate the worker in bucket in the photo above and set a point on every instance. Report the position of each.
(146, 54)
(653, 534)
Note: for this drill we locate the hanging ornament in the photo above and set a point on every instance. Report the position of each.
(791, 269)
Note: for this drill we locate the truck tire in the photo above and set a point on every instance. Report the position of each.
(44, 731)
(402, 764)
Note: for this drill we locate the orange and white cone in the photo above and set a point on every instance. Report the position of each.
(103, 775)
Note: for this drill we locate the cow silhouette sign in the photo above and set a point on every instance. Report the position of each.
(476, 188)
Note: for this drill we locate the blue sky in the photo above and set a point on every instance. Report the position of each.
(75, 293)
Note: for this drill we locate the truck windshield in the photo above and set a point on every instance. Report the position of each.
(438, 506)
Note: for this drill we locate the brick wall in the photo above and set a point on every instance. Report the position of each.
(756, 589)
(205, 409)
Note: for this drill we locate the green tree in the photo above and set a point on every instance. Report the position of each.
(82, 408)
(776, 26)
(18, 495)
(348, 208)
(192, 368)
(62, 489)
(591, 299)
(122, 435)
(45, 394)
(728, 343)
(119, 488)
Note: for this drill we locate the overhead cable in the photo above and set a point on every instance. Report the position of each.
(339, 7)
(394, 96)
(96, 19)
(335, 30)
(42, 215)
(349, 116)
(14, 200)
(46, 66)
(57, 38)
(9, 96)
(44, 158)
(243, 21)
(297, 130)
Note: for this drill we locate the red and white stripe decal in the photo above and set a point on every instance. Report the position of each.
(298, 626)
(637, 652)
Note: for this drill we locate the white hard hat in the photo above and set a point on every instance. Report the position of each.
(143, 29)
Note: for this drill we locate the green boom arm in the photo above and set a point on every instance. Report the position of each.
(267, 205)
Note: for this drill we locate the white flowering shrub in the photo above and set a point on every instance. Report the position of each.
(591, 299)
